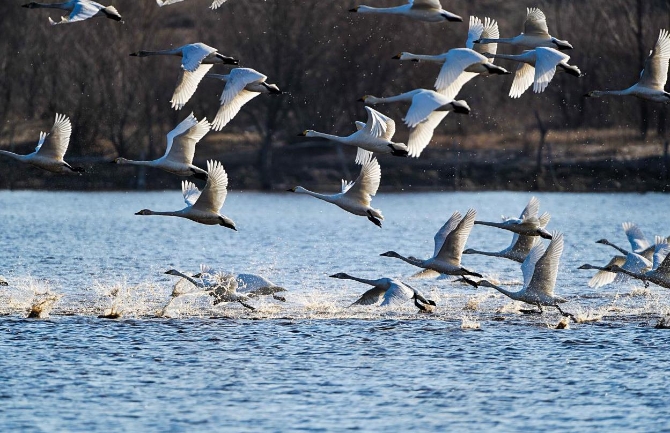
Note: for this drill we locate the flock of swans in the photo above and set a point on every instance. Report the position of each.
(542, 57)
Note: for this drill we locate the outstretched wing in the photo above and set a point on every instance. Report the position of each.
(187, 84)
(452, 249)
(216, 188)
(475, 30)
(81, 11)
(371, 297)
(228, 111)
(546, 268)
(423, 104)
(183, 147)
(397, 294)
(536, 23)
(379, 125)
(638, 241)
(426, 4)
(367, 184)
(452, 75)
(490, 32)
(602, 278)
(162, 3)
(528, 265)
(217, 3)
(545, 66)
(655, 73)
(190, 192)
(523, 79)
(421, 134)
(194, 54)
(447, 228)
(54, 145)
(531, 209)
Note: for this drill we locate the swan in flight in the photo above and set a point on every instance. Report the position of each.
(528, 224)
(449, 243)
(389, 291)
(222, 287)
(535, 34)
(660, 272)
(197, 60)
(539, 269)
(215, 4)
(203, 207)
(251, 284)
(51, 148)
(181, 141)
(373, 137)
(355, 197)
(427, 109)
(651, 85)
(537, 67)
(80, 10)
(521, 244)
(242, 85)
(422, 10)
(460, 65)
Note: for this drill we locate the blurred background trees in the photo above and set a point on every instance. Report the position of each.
(325, 58)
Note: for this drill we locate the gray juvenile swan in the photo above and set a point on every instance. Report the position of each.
(389, 291)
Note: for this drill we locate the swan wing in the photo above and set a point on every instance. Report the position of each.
(523, 79)
(359, 125)
(194, 54)
(453, 69)
(475, 29)
(455, 241)
(423, 104)
(183, 147)
(216, 189)
(362, 157)
(228, 111)
(238, 79)
(54, 145)
(190, 192)
(545, 66)
(660, 253)
(602, 278)
(80, 12)
(162, 3)
(546, 268)
(536, 23)
(446, 228)
(180, 129)
(636, 263)
(490, 32)
(186, 85)
(638, 241)
(655, 73)
(426, 4)
(367, 184)
(528, 265)
(397, 294)
(425, 274)
(346, 185)
(217, 3)
(371, 297)
(531, 209)
(379, 125)
(664, 266)
(421, 134)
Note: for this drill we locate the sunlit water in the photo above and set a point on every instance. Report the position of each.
(312, 363)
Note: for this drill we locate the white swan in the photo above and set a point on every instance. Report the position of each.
(223, 288)
(460, 65)
(51, 148)
(215, 4)
(242, 85)
(80, 10)
(528, 224)
(540, 270)
(638, 241)
(389, 291)
(631, 263)
(651, 85)
(659, 275)
(203, 207)
(538, 68)
(535, 34)
(251, 284)
(197, 60)
(449, 243)
(373, 137)
(422, 10)
(428, 108)
(181, 142)
(355, 197)
(521, 245)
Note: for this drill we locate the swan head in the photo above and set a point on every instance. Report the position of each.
(297, 189)
(390, 254)
(227, 222)
(460, 107)
(174, 272)
(341, 276)
(272, 89)
(544, 234)
(399, 149)
(451, 17)
(354, 9)
(31, 5)
(603, 241)
(594, 94)
(144, 212)
(485, 283)
(469, 251)
(561, 45)
(367, 99)
(404, 56)
(120, 160)
(305, 133)
(586, 266)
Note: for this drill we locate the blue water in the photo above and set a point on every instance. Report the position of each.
(312, 363)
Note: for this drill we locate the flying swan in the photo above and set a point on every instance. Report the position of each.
(80, 10)
(389, 292)
(422, 10)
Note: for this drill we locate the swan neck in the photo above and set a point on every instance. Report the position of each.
(371, 10)
(398, 98)
(505, 292)
(131, 162)
(324, 197)
(361, 280)
(422, 57)
(327, 136)
(12, 154)
(497, 41)
(173, 52)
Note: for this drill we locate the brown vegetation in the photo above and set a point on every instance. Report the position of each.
(326, 58)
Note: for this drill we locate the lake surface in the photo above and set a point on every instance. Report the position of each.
(312, 363)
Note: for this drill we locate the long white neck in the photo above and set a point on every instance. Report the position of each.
(65, 6)
(337, 138)
(403, 97)
(172, 213)
(491, 224)
(123, 161)
(513, 295)
(173, 52)
(392, 11)
(498, 41)
(360, 280)
(422, 57)
(599, 93)
(528, 57)
(13, 155)
(324, 197)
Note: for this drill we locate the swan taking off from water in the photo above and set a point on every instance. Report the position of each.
(197, 60)
(539, 276)
(538, 68)
(428, 108)
(181, 141)
(449, 243)
(80, 10)
(651, 85)
(659, 274)
(460, 65)
(389, 291)
(51, 148)
(222, 287)
(355, 197)
(528, 224)
(535, 34)
(203, 207)
(242, 85)
(521, 244)
(215, 4)
(251, 284)
(422, 10)
(373, 137)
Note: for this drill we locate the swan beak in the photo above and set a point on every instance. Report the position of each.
(588, 95)
(354, 9)
(361, 99)
(291, 190)
(303, 134)
(397, 56)
(134, 54)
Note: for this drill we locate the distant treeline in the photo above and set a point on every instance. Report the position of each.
(323, 56)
